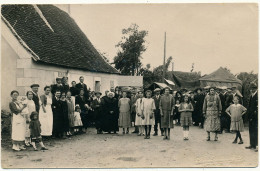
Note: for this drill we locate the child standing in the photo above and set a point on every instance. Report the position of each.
(176, 111)
(35, 129)
(138, 119)
(148, 113)
(236, 111)
(77, 120)
(186, 109)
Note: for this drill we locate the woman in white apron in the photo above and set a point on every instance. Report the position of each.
(18, 122)
(45, 114)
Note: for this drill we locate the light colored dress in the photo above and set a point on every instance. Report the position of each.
(124, 113)
(46, 119)
(148, 109)
(138, 108)
(186, 117)
(18, 122)
(27, 113)
(212, 107)
(77, 119)
(236, 117)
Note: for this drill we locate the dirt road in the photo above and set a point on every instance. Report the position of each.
(119, 151)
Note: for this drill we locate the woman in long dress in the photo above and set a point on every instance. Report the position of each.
(27, 112)
(139, 112)
(148, 113)
(212, 110)
(124, 113)
(167, 107)
(46, 115)
(18, 122)
(70, 111)
(110, 120)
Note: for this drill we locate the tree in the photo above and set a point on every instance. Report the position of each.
(131, 47)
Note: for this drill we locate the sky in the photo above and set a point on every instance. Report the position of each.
(208, 35)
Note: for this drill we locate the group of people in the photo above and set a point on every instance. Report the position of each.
(64, 110)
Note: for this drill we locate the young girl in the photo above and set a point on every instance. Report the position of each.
(124, 115)
(148, 113)
(77, 120)
(35, 129)
(138, 119)
(186, 109)
(27, 111)
(236, 111)
(176, 111)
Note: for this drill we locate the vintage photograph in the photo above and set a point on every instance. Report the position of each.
(152, 85)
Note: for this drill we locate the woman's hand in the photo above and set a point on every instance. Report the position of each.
(142, 116)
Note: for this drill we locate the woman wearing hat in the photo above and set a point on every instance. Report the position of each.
(212, 109)
(97, 105)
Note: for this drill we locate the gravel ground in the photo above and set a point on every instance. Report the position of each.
(130, 151)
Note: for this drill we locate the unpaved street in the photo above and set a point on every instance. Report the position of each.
(119, 151)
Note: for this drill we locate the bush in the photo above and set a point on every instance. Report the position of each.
(6, 121)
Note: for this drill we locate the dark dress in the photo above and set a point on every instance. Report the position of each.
(36, 102)
(167, 104)
(110, 120)
(198, 113)
(74, 91)
(58, 118)
(65, 112)
(35, 129)
(253, 120)
(98, 111)
(81, 101)
(66, 88)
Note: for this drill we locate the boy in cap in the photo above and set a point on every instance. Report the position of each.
(157, 114)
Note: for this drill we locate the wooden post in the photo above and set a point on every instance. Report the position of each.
(164, 55)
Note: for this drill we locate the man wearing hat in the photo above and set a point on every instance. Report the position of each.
(253, 117)
(97, 105)
(36, 98)
(157, 114)
(57, 86)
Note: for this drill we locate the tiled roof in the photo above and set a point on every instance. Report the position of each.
(63, 44)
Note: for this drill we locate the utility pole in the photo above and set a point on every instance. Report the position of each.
(164, 58)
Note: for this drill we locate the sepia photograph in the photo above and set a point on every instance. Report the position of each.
(129, 85)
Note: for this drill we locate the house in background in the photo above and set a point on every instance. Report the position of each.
(41, 43)
(219, 78)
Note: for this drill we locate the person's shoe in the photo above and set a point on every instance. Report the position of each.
(22, 148)
(127, 132)
(16, 149)
(162, 134)
(123, 132)
(139, 134)
(234, 142)
(145, 137)
(44, 148)
(216, 139)
(155, 134)
(35, 149)
(208, 139)
(134, 132)
(249, 147)
(241, 142)
(148, 137)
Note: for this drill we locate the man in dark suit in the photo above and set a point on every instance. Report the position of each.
(82, 85)
(253, 117)
(97, 105)
(57, 87)
(157, 115)
(36, 99)
(81, 101)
